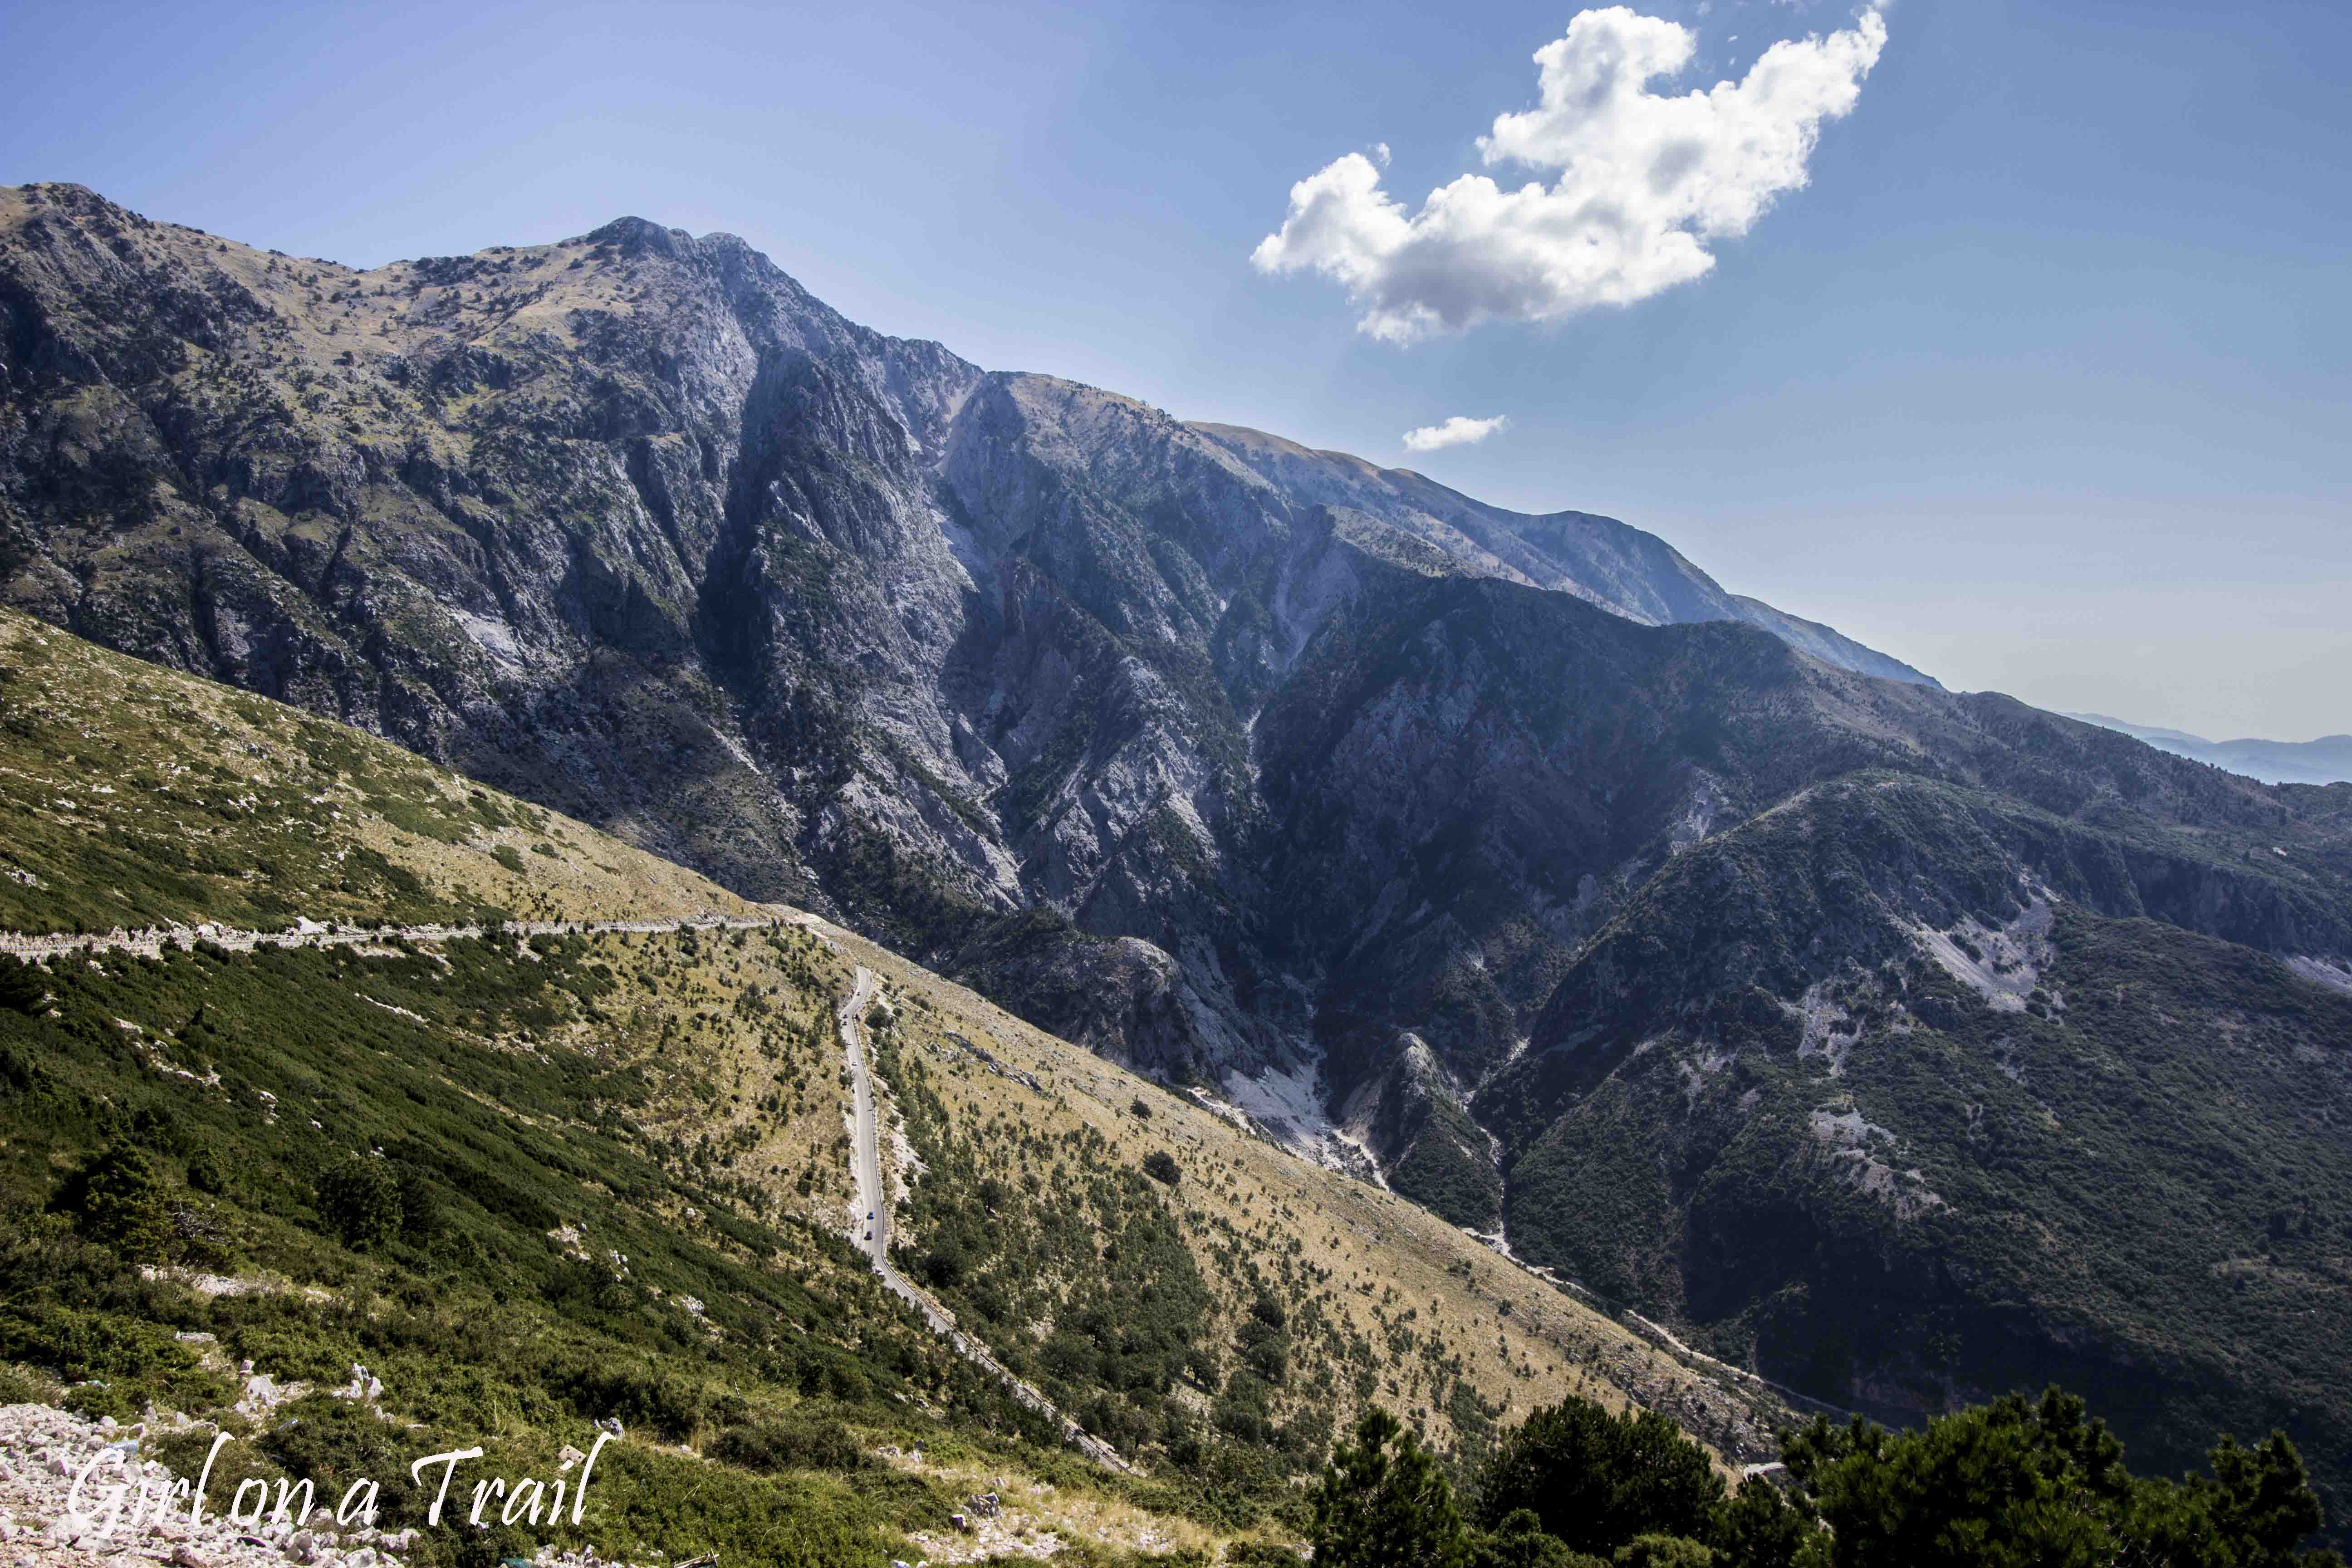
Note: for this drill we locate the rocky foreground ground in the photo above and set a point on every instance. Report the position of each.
(43, 1524)
(44, 1451)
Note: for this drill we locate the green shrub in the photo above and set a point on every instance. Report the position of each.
(1519, 1541)
(121, 1361)
(808, 1443)
(19, 1387)
(336, 1441)
(485, 1545)
(420, 1206)
(206, 1175)
(360, 1200)
(117, 1198)
(2038, 1481)
(1596, 1480)
(23, 986)
(1663, 1552)
(1261, 1554)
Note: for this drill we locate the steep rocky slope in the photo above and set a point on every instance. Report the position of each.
(1903, 1091)
(1469, 782)
(1598, 559)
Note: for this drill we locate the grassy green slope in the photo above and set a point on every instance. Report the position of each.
(400, 1167)
(528, 1185)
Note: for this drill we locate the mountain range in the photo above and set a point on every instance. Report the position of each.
(2327, 760)
(1855, 1027)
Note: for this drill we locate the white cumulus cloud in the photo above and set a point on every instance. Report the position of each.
(1459, 431)
(1641, 183)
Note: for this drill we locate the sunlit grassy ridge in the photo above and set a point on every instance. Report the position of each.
(135, 797)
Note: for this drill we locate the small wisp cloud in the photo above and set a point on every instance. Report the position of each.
(1459, 431)
(1641, 183)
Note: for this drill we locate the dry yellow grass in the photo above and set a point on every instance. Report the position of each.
(738, 1041)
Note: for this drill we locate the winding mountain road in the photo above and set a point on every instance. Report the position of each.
(874, 1200)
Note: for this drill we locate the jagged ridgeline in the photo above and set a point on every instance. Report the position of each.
(1904, 1044)
(501, 1116)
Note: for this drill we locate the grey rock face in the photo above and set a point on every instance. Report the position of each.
(634, 525)
(1597, 559)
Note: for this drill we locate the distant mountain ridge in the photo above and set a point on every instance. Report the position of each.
(2327, 760)
(1598, 559)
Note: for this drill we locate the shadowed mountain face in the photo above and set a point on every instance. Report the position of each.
(1733, 966)
(1909, 1088)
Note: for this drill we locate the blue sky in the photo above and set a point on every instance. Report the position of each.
(2040, 382)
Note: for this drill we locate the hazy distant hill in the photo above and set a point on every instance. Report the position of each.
(2327, 760)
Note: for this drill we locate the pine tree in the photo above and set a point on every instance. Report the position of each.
(360, 1200)
(23, 986)
(2041, 1485)
(1597, 1480)
(1384, 1503)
